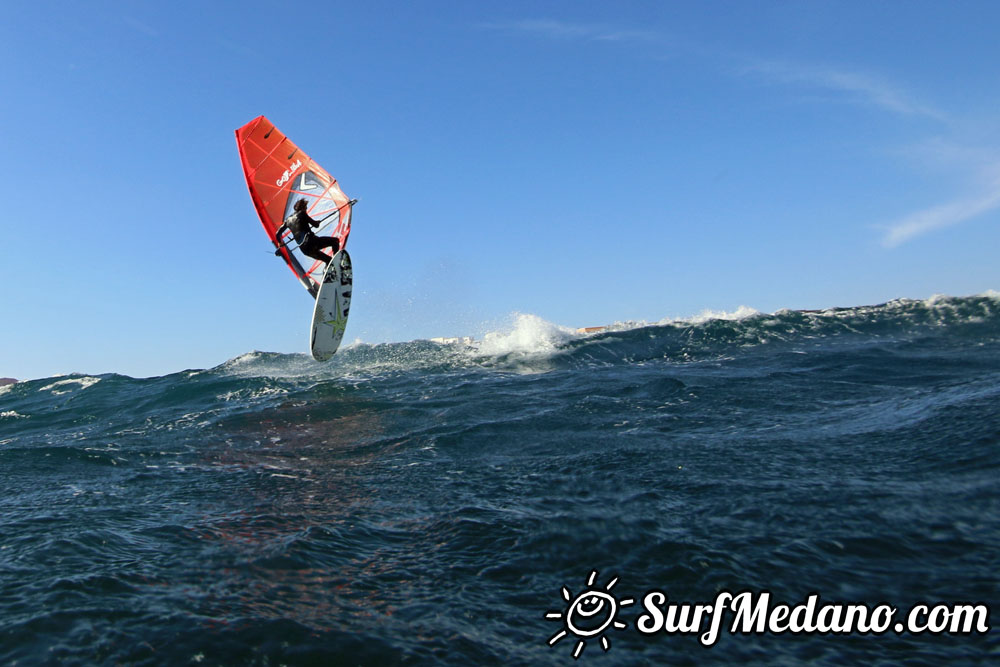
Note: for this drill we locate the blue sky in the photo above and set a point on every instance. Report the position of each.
(586, 162)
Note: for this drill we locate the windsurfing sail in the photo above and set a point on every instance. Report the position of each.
(279, 174)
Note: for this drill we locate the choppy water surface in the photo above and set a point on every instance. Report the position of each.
(425, 503)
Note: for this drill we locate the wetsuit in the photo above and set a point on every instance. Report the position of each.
(298, 223)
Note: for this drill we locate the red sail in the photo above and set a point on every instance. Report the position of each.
(278, 175)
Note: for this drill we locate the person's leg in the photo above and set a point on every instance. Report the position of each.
(328, 242)
(313, 250)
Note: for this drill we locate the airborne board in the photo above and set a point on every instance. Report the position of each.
(279, 174)
(333, 304)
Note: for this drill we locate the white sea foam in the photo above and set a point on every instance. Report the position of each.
(741, 313)
(244, 359)
(252, 394)
(256, 363)
(529, 335)
(707, 315)
(934, 300)
(12, 414)
(62, 386)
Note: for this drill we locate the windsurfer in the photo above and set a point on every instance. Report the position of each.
(298, 223)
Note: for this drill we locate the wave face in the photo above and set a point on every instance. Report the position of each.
(425, 502)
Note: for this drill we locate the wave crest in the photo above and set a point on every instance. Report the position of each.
(533, 343)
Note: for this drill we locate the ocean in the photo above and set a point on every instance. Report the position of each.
(464, 501)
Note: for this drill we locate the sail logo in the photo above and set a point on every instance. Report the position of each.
(292, 168)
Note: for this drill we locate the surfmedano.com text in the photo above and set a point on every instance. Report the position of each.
(754, 613)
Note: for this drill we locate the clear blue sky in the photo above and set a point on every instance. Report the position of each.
(585, 162)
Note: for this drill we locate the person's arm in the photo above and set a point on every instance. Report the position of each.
(277, 238)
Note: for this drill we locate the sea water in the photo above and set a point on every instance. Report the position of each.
(448, 502)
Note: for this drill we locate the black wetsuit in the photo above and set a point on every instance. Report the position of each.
(298, 223)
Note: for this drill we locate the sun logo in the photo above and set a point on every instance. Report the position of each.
(589, 614)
